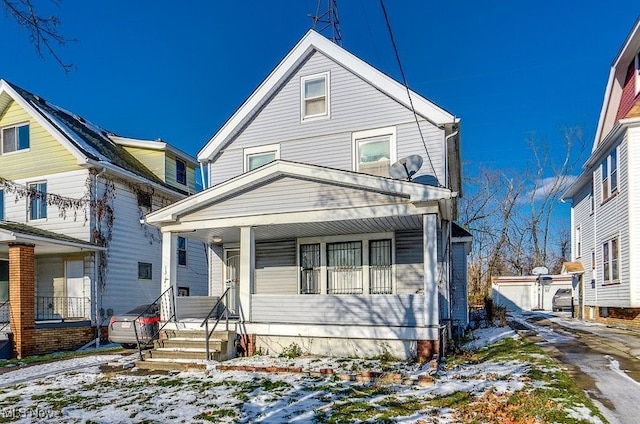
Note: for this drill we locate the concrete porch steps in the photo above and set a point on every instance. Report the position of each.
(179, 350)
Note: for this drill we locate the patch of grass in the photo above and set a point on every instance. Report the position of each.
(56, 356)
(291, 352)
(214, 415)
(454, 401)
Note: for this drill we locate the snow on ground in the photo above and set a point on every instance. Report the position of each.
(76, 390)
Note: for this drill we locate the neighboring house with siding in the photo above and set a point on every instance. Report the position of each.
(319, 246)
(606, 197)
(73, 249)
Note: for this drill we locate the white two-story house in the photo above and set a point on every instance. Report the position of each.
(73, 250)
(317, 242)
(606, 197)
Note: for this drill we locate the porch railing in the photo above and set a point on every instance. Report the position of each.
(5, 314)
(61, 308)
(344, 280)
(168, 299)
(214, 310)
(380, 279)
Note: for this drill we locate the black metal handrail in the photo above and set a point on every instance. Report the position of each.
(6, 322)
(154, 303)
(207, 333)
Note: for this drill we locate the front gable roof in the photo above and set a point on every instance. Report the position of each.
(396, 190)
(87, 142)
(309, 44)
(615, 84)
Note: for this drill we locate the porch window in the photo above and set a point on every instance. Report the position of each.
(182, 251)
(380, 267)
(38, 200)
(1, 205)
(610, 263)
(310, 269)
(344, 268)
(15, 138)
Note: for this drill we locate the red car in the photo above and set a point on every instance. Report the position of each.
(121, 327)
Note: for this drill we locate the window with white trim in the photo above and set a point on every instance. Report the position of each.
(610, 262)
(380, 267)
(314, 96)
(182, 251)
(310, 268)
(1, 205)
(578, 241)
(610, 175)
(374, 151)
(344, 268)
(37, 200)
(15, 138)
(255, 157)
(181, 172)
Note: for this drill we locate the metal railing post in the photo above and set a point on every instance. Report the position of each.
(206, 338)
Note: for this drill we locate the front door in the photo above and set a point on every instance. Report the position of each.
(74, 276)
(232, 279)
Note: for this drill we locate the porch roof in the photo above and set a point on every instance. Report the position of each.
(45, 241)
(284, 199)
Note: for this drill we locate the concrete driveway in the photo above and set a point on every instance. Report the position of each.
(604, 361)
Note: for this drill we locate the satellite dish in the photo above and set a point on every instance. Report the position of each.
(406, 168)
(540, 270)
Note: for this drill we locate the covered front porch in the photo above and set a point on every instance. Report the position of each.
(327, 259)
(45, 289)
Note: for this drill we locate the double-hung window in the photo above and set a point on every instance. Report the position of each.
(578, 241)
(37, 200)
(15, 138)
(314, 96)
(181, 172)
(610, 262)
(374, 151)
(255, 157)
(610, 175)
(182, 251)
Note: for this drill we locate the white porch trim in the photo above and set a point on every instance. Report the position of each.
(343, 331)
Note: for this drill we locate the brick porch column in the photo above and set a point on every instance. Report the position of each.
(22, 295)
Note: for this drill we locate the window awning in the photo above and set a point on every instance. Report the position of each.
(572, 267)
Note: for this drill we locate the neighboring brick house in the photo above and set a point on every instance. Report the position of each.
(73, 250)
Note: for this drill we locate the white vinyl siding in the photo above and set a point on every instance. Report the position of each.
(276, 271)
(355, 106)
(632, 228)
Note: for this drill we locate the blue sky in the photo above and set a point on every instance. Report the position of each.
(511, 70)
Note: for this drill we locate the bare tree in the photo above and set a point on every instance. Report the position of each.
(511, 215)
(43, 30)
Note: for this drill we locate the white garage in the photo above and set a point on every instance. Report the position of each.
(528, 293)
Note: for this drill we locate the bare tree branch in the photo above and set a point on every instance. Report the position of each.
(43, 31)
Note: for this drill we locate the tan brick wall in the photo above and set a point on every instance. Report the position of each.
(58, 339)
(22, 295)
(619, 317)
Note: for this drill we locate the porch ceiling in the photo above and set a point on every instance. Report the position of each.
(311, 229)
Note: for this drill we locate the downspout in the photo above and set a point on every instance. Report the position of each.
(95, 261)
(446, 156)
(204, 183)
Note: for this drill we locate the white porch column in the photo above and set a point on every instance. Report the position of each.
(247, 270)
(430, 259)
(169, 274)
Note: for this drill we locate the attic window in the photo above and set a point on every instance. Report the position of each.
(181, 172)
(314, 96)
(255, 157)
(15, 138)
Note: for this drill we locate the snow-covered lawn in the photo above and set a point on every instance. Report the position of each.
(76, 390)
